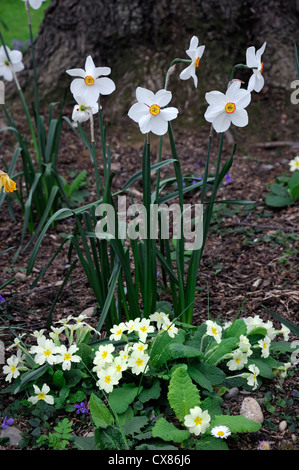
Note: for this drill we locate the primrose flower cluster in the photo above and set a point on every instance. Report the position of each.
(109, 364)
(238, 358)
(49, 350)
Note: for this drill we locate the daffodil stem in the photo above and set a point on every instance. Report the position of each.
(239, 66)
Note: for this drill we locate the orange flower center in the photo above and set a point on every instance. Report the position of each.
(155, 109)
(89, 80)
(262, 67)
(196, 62)
(230, 108)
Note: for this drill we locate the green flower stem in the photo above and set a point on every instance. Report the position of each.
(239, 66)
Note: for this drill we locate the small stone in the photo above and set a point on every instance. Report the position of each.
(257, 283)
(252, 410)
(88, 312)
(282, 426)
(13, 433)
(232, 393)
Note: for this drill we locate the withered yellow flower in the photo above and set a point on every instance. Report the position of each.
(6, 183)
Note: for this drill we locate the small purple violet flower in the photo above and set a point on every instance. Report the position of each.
(81, 408)
(2, 299)
(7, 422)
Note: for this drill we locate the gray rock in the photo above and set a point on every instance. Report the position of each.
(13, 433)
(282, 426)
(252, 410)
(232, 393)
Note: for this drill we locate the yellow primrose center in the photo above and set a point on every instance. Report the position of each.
(139, 362)
(47, 353)
(13, 368)
(89, 80)
(155, 109)
(238, 360)
(214, 331)
(118, 368)
(198, 421)
(143, 329)
(196, 62)
(296, 164)
(67, 357)
(141, 347)
(230, 108)
(107, 379)
(41, 396)
(104, 355)
(119, 332)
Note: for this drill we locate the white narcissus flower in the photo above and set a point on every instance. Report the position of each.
(15, 62)
(254, 59)
(89, 86)
(67, 356)
(150, 112)
(229, 108)
(294, 164)
(35, 4)
(82, 110)
(195, 53)
(197, 421)
(41, 394)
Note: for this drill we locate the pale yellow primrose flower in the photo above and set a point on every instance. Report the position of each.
(214, 330)
(160, 318)
(238, 360)
(138, 362)
(11, 369)
(197, 421)
(143, 329)
(195, 53)
(67, 356)
(294, 164)
(107, 379)
(170, 328)
(117, 331)
(41, 394)
(264, 343)
(45, 351)
(252, 379)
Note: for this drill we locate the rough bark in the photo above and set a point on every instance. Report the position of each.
(139, 38)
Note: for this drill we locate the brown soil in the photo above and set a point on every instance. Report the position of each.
(242, 260)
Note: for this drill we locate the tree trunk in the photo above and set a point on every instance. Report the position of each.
(138, 39)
